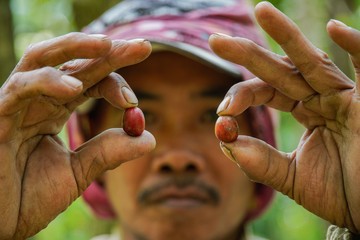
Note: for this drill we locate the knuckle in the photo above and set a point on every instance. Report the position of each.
(34, 53)
(291, 70)
(319, 60)
(74, 36)
(29, 52)
(30, 49)
(248, 46)
(48, 72)
(322, 55)
(34, 49)
(14, 83)
(236, 87)
(323, 58)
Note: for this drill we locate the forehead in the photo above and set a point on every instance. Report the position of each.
(171, 70)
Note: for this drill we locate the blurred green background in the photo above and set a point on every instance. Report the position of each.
(27, 21)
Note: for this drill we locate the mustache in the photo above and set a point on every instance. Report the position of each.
(179, 182)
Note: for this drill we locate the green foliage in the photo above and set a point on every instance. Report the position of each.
(38, 20)
(76, 223)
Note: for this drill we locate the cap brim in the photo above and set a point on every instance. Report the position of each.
(197, 54)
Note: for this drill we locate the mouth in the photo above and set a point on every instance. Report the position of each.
(173, 197)
(179, 193)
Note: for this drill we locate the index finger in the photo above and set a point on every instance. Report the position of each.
(63, 49)
(122, 53)
(316, 67)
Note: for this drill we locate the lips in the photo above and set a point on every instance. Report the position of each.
(176, 197)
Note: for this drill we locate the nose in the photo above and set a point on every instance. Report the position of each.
(177, 161)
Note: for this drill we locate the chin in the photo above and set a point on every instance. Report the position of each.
(179, 226)
(175, 230)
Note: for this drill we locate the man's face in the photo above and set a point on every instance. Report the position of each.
(186, 188)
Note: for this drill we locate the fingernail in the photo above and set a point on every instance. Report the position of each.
(223, 105)
(222, 35)
(265, 3)
(98, 36)
(71, 81)
(138, 40)
(338, 23)
(229, 154)
(129, 96)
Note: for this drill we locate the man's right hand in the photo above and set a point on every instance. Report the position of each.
(39, 176)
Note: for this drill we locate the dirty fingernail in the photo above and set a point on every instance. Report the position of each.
(223, 105)
(129, 96)
(229, 154)
(138, 40)
(98, 36)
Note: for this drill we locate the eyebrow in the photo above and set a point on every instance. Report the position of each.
(208, 93)
(218, 92)
(215, 92)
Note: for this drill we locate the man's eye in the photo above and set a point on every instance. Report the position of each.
(209, 116)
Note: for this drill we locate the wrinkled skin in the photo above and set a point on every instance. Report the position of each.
(323, 172)
(37, 170)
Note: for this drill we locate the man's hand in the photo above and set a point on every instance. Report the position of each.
(323, 172)
(39, 176)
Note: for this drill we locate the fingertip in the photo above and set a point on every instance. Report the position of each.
(135, 50)
(261, 10)
(142, 46)
(346, 37)
(336, 23)
(225, 46)
(335, 27)
(263, 5)
(129, 96)
(223, 105)
(133, 147)
(150, 139)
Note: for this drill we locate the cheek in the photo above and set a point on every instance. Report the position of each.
(123, 183)
(238, 195)
(236, 190)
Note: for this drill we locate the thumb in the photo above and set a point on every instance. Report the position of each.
(107, 151)
(261, 162)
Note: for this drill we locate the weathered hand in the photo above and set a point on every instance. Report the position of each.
(39, 176)
(323, 172)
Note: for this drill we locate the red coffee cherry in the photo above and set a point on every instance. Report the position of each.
(133, 121)
(226, 129)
